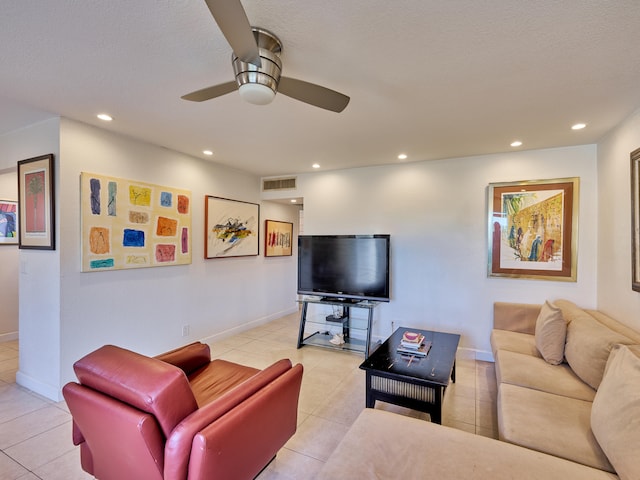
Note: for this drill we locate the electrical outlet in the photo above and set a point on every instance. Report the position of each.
(185, 330)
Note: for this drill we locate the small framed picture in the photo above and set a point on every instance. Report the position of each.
(278, 238)
(8, 222)
(36, 203)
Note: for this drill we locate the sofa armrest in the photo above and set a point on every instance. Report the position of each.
(188, 358)
(179, 443)
(232, 446)
(517, 317)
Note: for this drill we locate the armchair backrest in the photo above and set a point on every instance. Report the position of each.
(148, 384)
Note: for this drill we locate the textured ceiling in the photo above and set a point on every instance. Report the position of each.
(434, 79)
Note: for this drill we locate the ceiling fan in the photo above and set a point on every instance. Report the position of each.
(257, 66)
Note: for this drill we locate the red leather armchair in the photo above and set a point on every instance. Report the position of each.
(179, 415)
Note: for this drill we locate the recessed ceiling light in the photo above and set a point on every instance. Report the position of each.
(293, 200)
(578, 126)
(517, 143)
(207, 152)
(402, 156)
(105, 117)
(316, 165)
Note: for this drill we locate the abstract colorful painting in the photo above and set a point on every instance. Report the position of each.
(231, 228)
(533, 229)
(130, 224)
(278, 238)
(8, 222)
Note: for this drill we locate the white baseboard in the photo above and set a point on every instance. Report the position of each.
(48, 391)
(484, 356)
(475, 354)
(8, 337)
(249, 325)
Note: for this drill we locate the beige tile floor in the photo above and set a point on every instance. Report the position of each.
(35, 433)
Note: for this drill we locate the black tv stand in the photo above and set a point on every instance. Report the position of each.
(319, 335)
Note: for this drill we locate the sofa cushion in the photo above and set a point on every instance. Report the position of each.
(588, 346)
(533, 372)
(615, 416)
(384, 445)
(549, 423)
(569, 310)
(551, 333)
(615, 325)
(513, 342)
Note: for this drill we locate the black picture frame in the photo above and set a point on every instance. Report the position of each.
(36, 203)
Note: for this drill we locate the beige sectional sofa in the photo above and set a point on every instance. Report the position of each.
(567, 409)
(547, 386)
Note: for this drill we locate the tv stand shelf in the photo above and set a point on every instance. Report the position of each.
(321, 327)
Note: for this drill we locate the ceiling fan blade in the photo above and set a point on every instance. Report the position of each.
(211, 92)
(234, 24)
(313, 94)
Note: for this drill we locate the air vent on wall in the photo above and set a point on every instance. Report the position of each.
(278, 184)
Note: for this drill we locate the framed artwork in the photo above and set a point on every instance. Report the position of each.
(635, 220)
(36, 203)
(231, 228)
(533, 229)
(128, 224)
(278, 238)
(8, 222)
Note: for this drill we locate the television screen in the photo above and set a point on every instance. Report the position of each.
(353, 267)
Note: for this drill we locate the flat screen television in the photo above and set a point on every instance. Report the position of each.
(348, 267)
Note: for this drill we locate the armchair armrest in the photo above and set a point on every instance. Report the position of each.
(179, 444)
(189, 358)
(242, 442)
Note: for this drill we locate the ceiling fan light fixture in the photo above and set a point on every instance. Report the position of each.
(256, 93)
(258, 85)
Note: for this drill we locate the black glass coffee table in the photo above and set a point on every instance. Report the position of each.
(414, 382)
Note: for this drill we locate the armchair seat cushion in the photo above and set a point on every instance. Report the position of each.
(219, 376)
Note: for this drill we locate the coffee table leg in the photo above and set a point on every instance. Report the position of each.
(453, 372)
(370, 401)
(436, 413)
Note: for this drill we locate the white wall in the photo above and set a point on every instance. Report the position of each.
(39, 273)
(8, 265)
(437, 216)
(615, 295)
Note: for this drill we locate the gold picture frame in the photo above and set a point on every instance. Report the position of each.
(533, 229)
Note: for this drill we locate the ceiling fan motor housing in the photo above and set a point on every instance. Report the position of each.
(268, 74)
